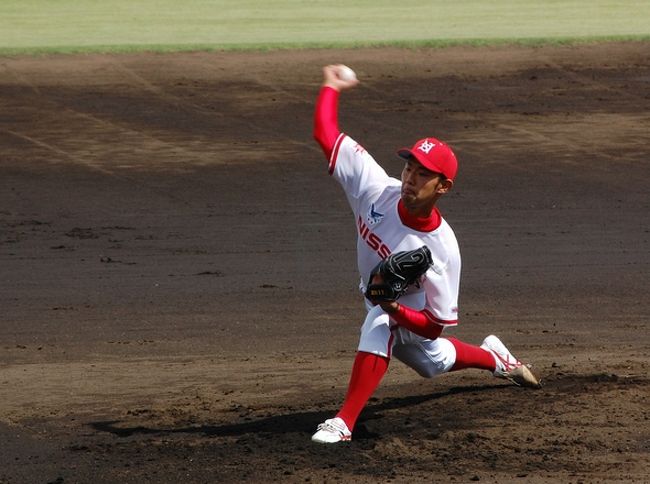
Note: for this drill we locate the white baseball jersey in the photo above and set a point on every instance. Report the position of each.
(374, 197)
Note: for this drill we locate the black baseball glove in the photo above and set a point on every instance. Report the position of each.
(398, 271)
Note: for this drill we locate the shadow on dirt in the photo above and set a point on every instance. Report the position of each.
(305, 422)
(291, 422)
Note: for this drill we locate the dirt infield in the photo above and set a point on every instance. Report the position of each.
(178, 270)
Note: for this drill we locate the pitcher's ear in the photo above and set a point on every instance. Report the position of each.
(445, 185)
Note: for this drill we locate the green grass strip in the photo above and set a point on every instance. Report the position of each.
(264, 47)
(84, 26)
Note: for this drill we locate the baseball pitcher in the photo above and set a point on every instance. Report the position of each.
(408, 260)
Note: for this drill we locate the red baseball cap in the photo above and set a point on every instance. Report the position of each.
(434, 155)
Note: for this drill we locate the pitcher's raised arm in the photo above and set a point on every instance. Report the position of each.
(326, 130)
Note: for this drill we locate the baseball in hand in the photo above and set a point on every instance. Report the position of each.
(347, 74)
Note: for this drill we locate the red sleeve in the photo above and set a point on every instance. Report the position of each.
(326, 128)
(417, 322)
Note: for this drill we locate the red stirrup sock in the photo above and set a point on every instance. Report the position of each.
(367, 372)
(470, 356)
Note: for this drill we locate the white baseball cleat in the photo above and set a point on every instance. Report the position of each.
(508, 366)
(331, 431)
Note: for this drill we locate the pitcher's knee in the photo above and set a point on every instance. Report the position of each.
(428, 358)
(429, 369)
(375, 333)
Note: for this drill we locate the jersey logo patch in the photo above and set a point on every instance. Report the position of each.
(374, 217)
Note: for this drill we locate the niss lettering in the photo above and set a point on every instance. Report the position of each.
(373, 241)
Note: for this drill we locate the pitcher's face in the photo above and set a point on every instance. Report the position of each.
(421, 187)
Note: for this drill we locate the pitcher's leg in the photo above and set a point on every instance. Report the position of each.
(427, 357)
(367, 372)
(494, 357)
(370, 365)
(470, 356)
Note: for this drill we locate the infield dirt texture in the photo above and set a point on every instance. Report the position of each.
(179, 291)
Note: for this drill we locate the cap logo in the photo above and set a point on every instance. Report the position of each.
(426, 146)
